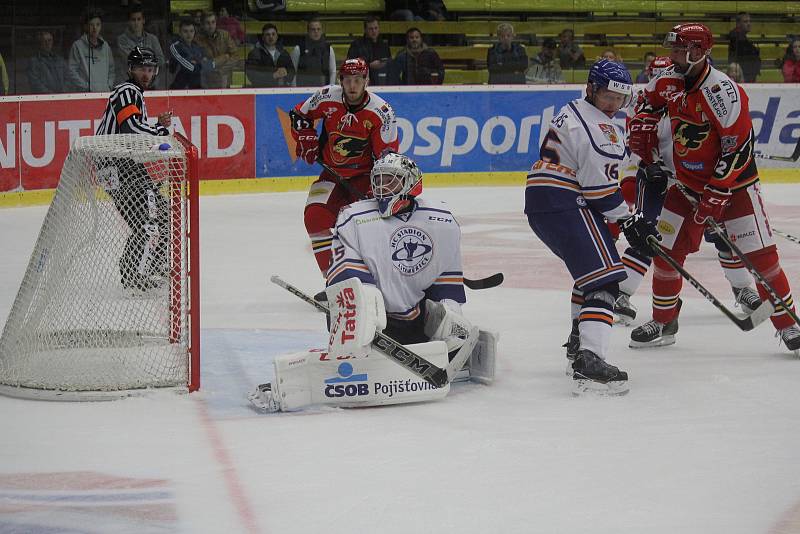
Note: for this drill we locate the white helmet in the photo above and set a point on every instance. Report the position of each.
(395, 180)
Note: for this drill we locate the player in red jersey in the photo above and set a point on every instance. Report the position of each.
(358, 127)
(713, 155)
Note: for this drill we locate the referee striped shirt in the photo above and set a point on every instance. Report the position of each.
(126, 113)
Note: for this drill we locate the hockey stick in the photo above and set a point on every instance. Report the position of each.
(746, 323)
(433, 374)
(794, 157)
(750, 267)
(491, 281)
(784, 235)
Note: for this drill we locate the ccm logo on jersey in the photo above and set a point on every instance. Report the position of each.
(439, 219)
(343, 385)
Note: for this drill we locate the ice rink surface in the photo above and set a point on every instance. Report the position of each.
(707, 440)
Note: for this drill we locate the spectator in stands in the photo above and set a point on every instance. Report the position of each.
(91, 61)
(133, 36)
(3, 77)
(790, 65)
(507, 61)
(545, 67)
(187, 58)
(570, 55)
(611, 55)
(231, 25)
(734, 72)
(374, 50)
(197, 19)
(417, 63)
(221, 48)
(268, 64)
(743, 51)
(46, 70)
(314, 59)
(643, 77)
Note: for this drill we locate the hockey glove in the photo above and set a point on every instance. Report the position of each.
(712, 204)
(657, 173)
(643, 136)
(307, 145)
(637, 228)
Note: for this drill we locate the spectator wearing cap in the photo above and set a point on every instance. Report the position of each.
(545, 67)
(506, 60)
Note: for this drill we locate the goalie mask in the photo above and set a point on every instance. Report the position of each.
(395, 181)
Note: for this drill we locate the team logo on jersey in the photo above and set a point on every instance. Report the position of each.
(412, 250)
(345, 148)
(580, 201)
(728, 143)
(689, 136)
(609, 132)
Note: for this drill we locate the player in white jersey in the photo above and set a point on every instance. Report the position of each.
(397, 269)
(571, 192)
(644, 186)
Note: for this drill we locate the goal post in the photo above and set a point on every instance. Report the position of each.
(109, 305)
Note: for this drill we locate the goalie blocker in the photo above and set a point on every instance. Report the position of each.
(351, 373)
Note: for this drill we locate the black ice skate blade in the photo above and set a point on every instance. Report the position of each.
(585, 387)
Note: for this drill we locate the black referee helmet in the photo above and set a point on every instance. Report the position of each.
(142, 57)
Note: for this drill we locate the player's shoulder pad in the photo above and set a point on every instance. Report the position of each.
(564, 119)
(723, 96)
(382, 109)
(325, 94)
(360, 209)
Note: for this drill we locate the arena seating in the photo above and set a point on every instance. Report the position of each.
(631, 28)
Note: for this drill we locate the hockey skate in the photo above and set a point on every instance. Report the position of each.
(791, 338)
(593, 374)
(747, 298)
(624, 311)
(572, 345)
(264, 399)
(655, 334)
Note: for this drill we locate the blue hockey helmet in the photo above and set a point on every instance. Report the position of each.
(612, 76)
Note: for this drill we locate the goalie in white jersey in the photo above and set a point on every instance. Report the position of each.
(397, 269)
(571, 192)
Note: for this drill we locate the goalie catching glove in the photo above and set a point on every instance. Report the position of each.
(357, 312)
(444, 322)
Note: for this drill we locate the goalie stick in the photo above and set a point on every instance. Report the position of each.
(750, 267)
(794, 157)
(491, 281)
(746, 323)
(433, 374)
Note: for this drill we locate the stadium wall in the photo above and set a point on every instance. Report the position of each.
(459, 135)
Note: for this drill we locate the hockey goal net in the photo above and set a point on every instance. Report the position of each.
(109, 303)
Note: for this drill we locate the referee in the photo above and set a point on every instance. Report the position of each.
(143, 264)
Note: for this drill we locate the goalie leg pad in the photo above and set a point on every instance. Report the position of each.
(482, 361)
(356, 313)
(313, 378)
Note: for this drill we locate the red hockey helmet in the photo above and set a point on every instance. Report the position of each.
(691, 34)
(355, 66)
(657, 66)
